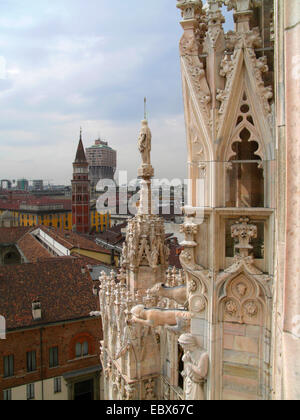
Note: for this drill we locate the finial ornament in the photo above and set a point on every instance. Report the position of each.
(145, 108)
(189, 8)
(244, 232)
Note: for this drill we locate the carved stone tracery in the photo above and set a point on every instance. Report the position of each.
(246, 290)
(218, 69)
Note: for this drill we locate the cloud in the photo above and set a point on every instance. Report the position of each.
(26, 156)
(72, 63)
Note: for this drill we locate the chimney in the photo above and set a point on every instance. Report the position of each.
(36, 310)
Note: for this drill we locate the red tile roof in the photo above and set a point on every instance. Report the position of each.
(80, 154)
(113, 235)
(72, 240)
(10, 236)
(64, 291)
(88, 260)
(16, 200)
(32, 249)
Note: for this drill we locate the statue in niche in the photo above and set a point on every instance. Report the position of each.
(144, 143)
(196, 363)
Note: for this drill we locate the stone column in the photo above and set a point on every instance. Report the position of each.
(291, 322)
(286, 371)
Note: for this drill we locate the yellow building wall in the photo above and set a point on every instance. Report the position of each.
(62, 221)
(101, 257)
(20, 393)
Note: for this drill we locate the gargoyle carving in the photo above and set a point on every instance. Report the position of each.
(158, 317)
(175, 293)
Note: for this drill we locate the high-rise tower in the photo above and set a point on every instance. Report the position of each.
(81, 191)
(102, 161)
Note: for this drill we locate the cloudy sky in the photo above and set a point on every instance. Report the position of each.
(71, 63)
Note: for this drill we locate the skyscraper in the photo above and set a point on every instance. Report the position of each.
(102, 161)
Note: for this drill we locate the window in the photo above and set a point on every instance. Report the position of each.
(7, 395)
(31, 361)
(8, 363)
(78, 350)
(245, 166)
(53, 357)
(82, 349)
(81, 345)
(57, 385)
(30, 392)
(85, 348)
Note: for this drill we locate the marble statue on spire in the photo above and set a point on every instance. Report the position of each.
(146, 170)
(144, 143)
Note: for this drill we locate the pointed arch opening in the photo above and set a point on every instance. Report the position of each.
(245, 185)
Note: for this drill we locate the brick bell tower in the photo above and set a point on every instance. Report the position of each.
(81, 191)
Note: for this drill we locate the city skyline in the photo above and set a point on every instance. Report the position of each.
(65, 65)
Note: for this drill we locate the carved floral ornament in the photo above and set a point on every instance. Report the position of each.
(231, 307)
(192, 286)
(251, 308)
(145, 243)
(197, 303)
(197, 74)
(240, 46)
(187, 255)
(234, 310)
(189, 46)
(244, 233)
(189, 229)
(215, 20)
(243, 301)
